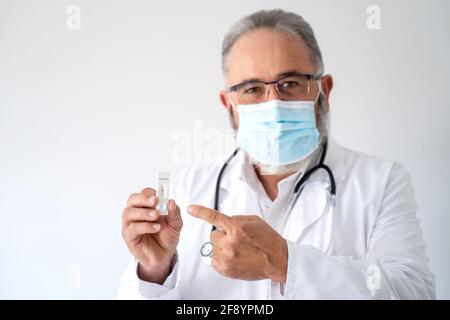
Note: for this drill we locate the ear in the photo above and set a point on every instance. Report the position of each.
(224, 99)
(226, 103)
(327, 86)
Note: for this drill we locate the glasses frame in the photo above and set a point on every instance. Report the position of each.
(308, 77)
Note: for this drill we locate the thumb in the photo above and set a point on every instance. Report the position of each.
(174, 216)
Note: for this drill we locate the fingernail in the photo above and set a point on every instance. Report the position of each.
(151, 199)
(157, 226)
(190, 209)
(152, 214)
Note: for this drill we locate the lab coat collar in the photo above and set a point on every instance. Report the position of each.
(335, 159)
(237, 166)
(297, 221)
(234, 171)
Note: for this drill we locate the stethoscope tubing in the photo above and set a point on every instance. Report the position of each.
(206, 248)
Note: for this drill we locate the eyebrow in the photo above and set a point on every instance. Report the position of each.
(280, 75)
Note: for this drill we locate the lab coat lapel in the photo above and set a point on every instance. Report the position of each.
(310, 206)
(313, 204)
(236, 197)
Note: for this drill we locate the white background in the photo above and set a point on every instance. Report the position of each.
(86, 118)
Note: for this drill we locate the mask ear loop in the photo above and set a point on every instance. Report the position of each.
(319, 84)
(231, 103)
(234, 108)
(231, 115)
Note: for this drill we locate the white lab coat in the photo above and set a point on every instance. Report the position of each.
(370, 246)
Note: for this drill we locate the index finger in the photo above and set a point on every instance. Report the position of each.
(211, 216)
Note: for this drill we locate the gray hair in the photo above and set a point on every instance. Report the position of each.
(288, 22)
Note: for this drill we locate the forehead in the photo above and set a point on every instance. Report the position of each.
(265, 53)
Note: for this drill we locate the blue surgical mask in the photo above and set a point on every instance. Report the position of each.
(278, 132)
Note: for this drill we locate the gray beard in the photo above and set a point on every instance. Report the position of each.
(302, 165)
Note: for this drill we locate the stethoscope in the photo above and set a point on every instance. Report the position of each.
(206, 249)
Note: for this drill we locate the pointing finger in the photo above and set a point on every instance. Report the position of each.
(211, 216)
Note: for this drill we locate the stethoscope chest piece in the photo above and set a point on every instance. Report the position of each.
(207, 250)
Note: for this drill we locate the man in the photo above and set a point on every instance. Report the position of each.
(348, 231)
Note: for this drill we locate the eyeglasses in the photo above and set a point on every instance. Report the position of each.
(294, 86)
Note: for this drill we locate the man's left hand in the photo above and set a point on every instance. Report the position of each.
(245, 247)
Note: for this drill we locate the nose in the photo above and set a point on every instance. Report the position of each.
(272, 93)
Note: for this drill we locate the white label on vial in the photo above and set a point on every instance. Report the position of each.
(163, 193)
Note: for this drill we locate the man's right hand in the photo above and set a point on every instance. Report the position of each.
(152, 239)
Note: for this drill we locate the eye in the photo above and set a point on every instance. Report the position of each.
(289, 84)
(252, 90)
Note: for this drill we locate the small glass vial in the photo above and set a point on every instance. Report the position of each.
(163, 193)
